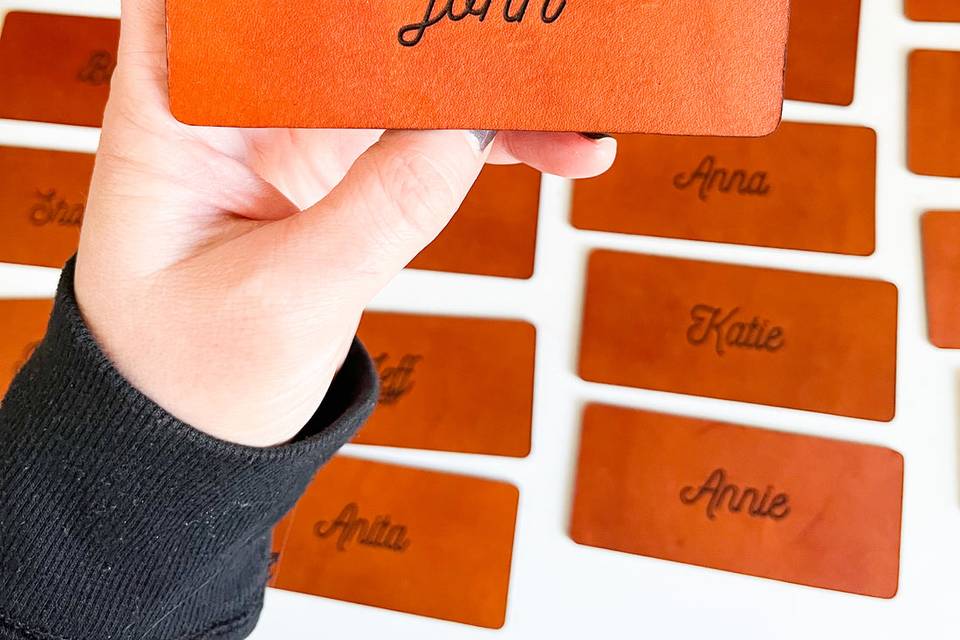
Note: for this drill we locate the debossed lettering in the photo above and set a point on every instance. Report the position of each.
(380, 533)
(513, 11)
(718, 494)
(98, 69)
(723, 329)
(395, 381)
(52, 209)
(712, 178)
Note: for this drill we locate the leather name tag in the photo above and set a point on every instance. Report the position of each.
(941, 271)
(807, 186)
(798, 340)
(812, 511)
(452, 384)
(433, 544)
(42, 199)
(684, 66)
(822, 51)
(933, 128)
(495, 231)
(933, 10)
(22, 325)
(56, 68)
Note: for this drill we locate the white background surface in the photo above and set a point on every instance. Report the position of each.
(562, 590)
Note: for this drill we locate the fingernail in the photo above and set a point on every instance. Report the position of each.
(483, 138)
(596, 136)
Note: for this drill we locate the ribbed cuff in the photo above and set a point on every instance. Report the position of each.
(119, 521)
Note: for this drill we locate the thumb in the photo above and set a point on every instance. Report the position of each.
(395, 199)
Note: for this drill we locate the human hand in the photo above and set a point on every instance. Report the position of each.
(224, 271)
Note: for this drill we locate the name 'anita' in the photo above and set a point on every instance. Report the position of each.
(381, 532)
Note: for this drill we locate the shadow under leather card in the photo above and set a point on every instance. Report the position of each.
(933, 10)
(451, 384)
(23, 324)
(807, 186)
(43, 195)
(812, 511)
(941, 273)
(782, 338)
(495, 231)
(933, 124)
(822, 51)
(56, 68)
(422, 542)
(652, 66)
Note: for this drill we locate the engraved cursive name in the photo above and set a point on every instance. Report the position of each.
(98, 69)
(513, 11)
(381, 533)
(50, 209)
(718, 494)
(712, 178)
(723, 329)
(395, 381)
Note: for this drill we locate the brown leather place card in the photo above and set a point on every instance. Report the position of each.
(933, 10)
(451, 384)
(812, 511)
(422, 542)
(56, 68)
(822, 51)
(495, 231)
(43, 194)
(933, 127)
(684, 66)
(22, 326)
(807, 186)
(941, 272)
(783, 338)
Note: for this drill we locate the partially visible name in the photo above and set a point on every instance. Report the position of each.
(349, 528)
(395, 381)
(712, 178)
(410, 35)
(713, 325)
(98, 69)
(50, 208)
(717, 494)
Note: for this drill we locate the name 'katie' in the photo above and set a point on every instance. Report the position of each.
(724, 329)
(513, 11)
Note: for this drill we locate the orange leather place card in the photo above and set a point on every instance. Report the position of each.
(42, 198)
(798, 340)
(822, 51)
(452, 384)
(933, 10)
(495, 231)
(56, 68)
(807, 186)
(812, 511)
(941, 273)
(22, 326)
(433, 544)
(684, 66)
(933, 127)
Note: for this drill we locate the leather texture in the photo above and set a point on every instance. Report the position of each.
(807, 186)
(494, 233)
(43, 195)
(941, 275)
(693, 490)
(933, 125)
(22, 325)
(933, 10)
(783, 338)
(682, 67)
(422, 542)
(822, 51)
(56, 68)
(451, 384)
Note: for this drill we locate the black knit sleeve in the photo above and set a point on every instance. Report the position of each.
(119, 521)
